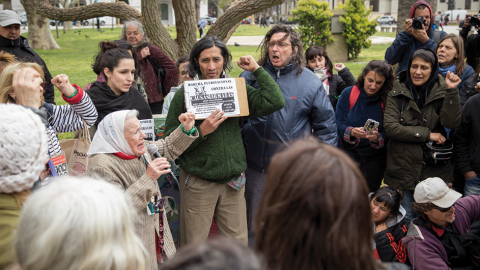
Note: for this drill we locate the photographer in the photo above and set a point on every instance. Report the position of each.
(472, 42)
(414, 37)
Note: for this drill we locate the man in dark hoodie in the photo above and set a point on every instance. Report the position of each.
(440, 237)
(13, 43)
(410, 39)
(419, 107)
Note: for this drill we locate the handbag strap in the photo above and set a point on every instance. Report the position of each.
(85, 134)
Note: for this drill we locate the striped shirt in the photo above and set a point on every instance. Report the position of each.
(68, 118)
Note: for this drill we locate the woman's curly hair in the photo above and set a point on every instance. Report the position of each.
(297, 56)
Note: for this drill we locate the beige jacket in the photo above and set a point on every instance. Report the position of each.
(130, 176)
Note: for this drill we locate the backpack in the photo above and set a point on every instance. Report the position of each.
(354, 94)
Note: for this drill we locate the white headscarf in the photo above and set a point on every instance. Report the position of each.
(109, 137)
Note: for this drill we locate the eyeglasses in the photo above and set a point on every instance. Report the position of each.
(443, 210)
(280, 44)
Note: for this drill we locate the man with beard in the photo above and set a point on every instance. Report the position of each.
(13, 43)
(440, 237)
(307, 110)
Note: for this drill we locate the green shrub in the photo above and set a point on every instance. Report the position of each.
(313, 19)
(357, 27)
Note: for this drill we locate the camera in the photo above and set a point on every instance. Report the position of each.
(474, 20)
(418, 23)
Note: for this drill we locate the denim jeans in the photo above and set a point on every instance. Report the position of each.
(407, 204)
(472, 187)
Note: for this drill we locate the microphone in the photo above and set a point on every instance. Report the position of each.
(153, 150)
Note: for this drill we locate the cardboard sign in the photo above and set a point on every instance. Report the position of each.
(148, 128)
(203, 97)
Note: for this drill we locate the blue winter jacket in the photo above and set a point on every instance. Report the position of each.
(404, 45)
(466, 74)
(307, 108)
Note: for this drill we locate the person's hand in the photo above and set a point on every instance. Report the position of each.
(466, 24)
(477, 87)
(359, 133)
(145, 52)
(381, 227)
(211, 123)
(339, 66)
(373, 138)
(437, 137)
(158, 167)
(408, 26)
(27, 87)
(46, 172)
(470, 175)
(452, 80)
(187, 120)
(420, 34)
(63, 84)
(248, 63)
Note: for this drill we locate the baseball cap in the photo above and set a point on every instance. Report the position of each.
(435, 190)
(8, 17)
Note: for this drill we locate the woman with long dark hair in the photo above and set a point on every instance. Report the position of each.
(360, 120)
(314, 212)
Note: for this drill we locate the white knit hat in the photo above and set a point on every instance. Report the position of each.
(23, 148)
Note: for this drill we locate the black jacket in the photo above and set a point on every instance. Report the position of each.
(472, 47)
(467, 138)
(19, 47)
(338, 82)
(468, 89)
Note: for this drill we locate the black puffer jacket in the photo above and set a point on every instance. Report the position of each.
(468, 89)
(19, 47)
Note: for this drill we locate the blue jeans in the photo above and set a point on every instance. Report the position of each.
(472, 187)
(407, 204)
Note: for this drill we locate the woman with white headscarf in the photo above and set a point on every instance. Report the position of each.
(118, 154)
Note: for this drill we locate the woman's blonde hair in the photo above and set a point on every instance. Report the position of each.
(78, 224)
(6, 59)
(6, 79)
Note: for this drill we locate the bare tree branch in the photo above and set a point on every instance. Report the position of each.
(186, 25)
(237, 11)
(119, 10)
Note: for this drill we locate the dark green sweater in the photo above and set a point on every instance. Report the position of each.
(220, 156)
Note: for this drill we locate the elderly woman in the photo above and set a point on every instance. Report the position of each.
(83, 224)
(134, 33)
(420, 106)
(213, 166)
(23, 153)
(21, 83)
(118, 154)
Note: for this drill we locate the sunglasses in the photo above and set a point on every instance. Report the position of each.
(443, 210)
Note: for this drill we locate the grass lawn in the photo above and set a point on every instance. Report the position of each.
(386, 34)
(76, 55)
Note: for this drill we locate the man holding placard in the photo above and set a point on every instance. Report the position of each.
(307, 108)
(212, 176)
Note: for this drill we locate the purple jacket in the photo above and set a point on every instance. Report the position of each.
(425, 251)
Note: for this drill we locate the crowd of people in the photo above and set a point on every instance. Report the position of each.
(327, 171)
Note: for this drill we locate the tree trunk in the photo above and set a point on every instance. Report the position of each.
(404, 7)
(185, 19)
(197, 10)
(7, 4)
(39, 34)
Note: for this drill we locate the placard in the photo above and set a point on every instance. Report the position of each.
(203, 97)
(58, 165)
(148, 128)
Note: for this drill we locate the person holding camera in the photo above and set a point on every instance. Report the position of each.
(472, 42)
(419, 107)
(419, 33)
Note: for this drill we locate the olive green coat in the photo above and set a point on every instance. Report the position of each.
(405, 167)
(9, 215)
